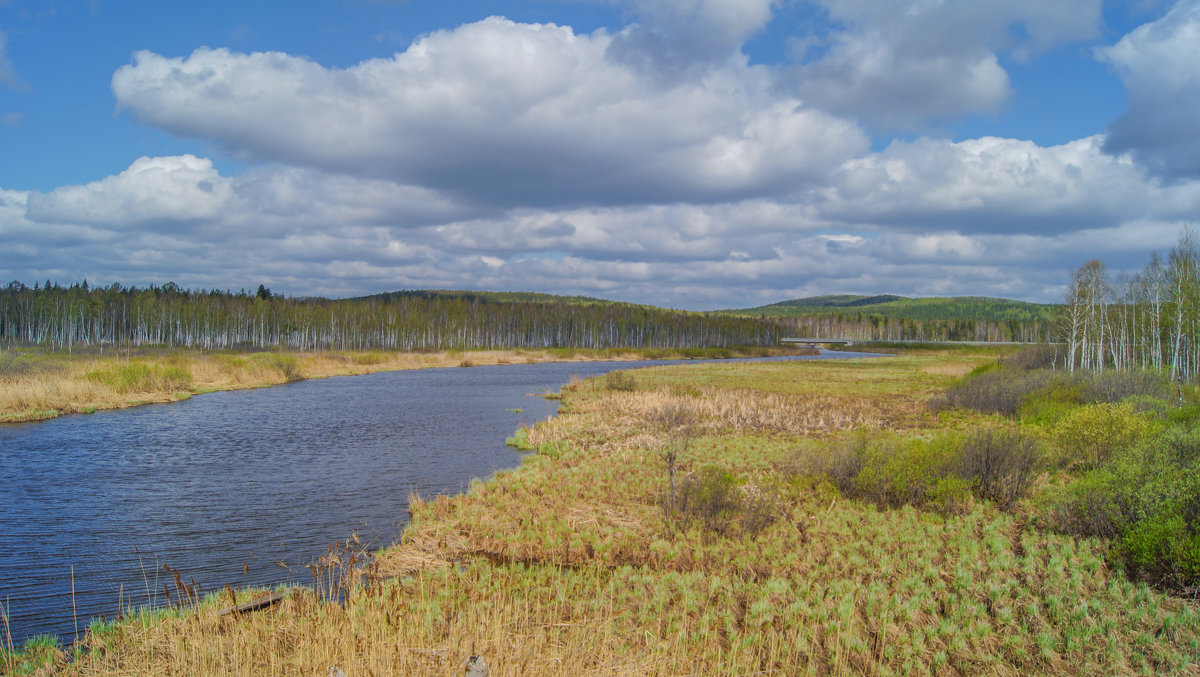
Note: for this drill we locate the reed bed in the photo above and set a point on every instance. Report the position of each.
(570, 565)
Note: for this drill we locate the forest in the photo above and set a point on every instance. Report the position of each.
(897, 318)
(79, 316)
(1150, 319)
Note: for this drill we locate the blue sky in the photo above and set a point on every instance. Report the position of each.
(690, 154)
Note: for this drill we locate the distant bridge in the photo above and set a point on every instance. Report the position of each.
(816, 341)
(850, 342)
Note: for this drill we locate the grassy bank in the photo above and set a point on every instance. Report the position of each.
(583, 561)
(36, 385)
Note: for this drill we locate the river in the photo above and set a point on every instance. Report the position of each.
(243, 488)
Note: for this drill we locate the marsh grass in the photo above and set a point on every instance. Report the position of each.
(36, 384)
(568, 564)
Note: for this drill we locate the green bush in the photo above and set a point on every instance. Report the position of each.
(1045, 409)
(1162, 549)
(711, 498)
(287, 365)
(1089, 435)
(620, 380)
(1147, 499)
(998, 465)
(888, 470)
(942, 473)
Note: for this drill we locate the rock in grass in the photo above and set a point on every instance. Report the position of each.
(476, 667)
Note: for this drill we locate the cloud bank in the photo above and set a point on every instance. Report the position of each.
(652, 164)
(1157, 63)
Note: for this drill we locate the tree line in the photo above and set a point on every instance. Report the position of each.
(66, 317)
(1150, 319)
(876, 327)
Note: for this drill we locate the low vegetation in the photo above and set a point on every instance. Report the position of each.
(37, 384)
(826, 520)
(1121, 455)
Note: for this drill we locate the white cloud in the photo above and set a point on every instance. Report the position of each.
(153, 191)
(500, 113)
(1158, 64)
(904, 64)
(511, 156)
(1003, 186)
(676, 37)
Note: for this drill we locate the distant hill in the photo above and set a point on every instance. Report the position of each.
(902, 307)
(492, 297)
(891, 317)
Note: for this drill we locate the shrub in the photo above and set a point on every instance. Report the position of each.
(13, 364)
(998, 465)
(287, 365)
(1088, 506)
(620, 380)
(1162, 549)
(998, 391)
(888, 470)
(1147, 499)
(1045, 409)
(951, 495)
(942, 473)
(1036, 357)
(1118, 385)
(1091, 434)
(712, 498)
(1147, 404)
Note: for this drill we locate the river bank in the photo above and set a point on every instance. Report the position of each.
(575, 563)
(37, 385)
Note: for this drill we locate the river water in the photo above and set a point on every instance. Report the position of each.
(245, 487)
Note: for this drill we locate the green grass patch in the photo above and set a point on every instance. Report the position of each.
(140, 376)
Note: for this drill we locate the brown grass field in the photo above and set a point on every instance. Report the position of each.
(570, 565)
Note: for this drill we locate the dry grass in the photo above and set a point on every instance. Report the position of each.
(569, 566)
(36, 385)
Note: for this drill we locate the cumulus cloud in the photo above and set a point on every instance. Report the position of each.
(1000, 186)
(651, 165)
(1157, 63)
(678, 37)
(902, 64)
(161, 190)
(500, 113)
(305, 232)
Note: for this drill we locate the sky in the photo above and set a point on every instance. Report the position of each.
(696, 154)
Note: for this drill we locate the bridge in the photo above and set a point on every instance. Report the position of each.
(815, 341)
(849, 342)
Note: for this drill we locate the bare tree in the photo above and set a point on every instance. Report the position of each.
(678, 423)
